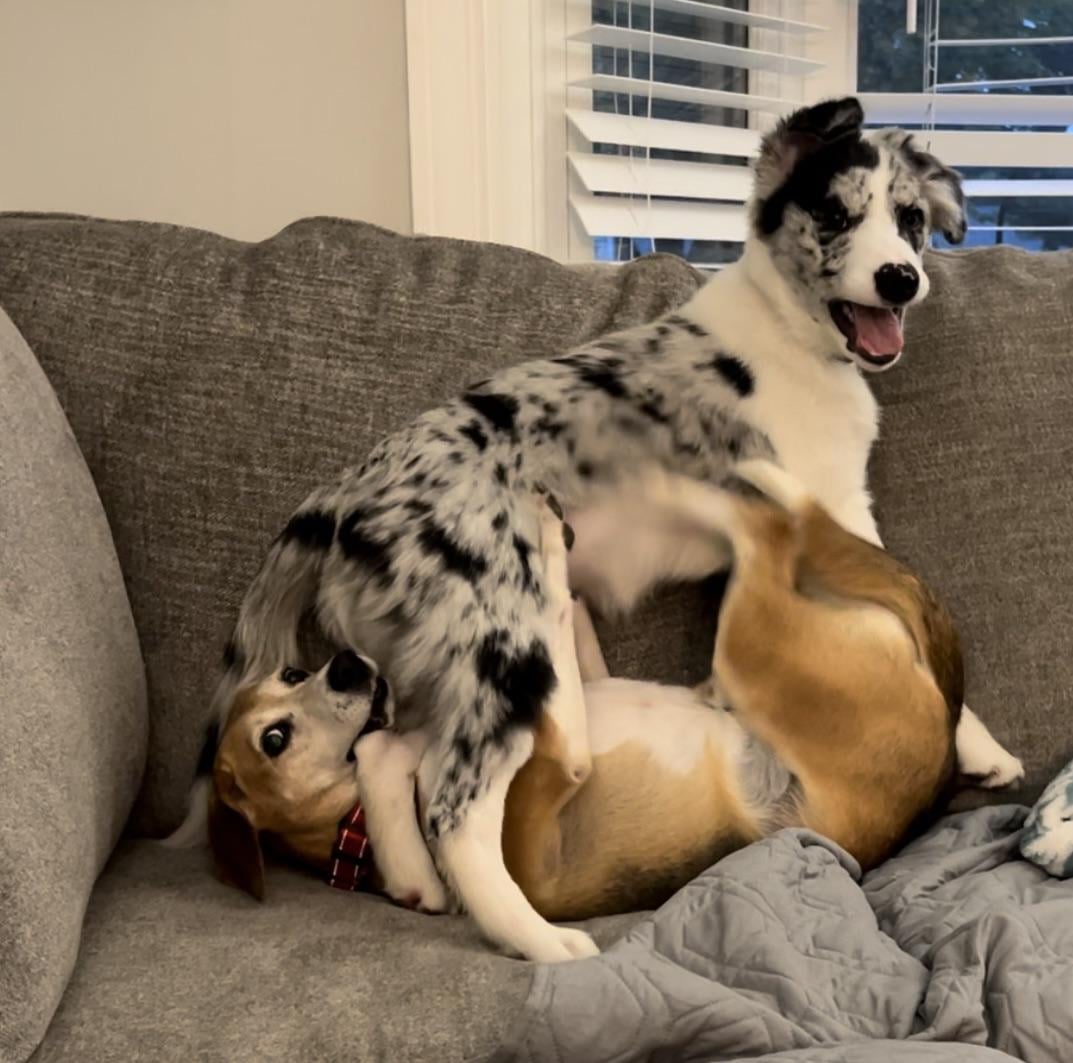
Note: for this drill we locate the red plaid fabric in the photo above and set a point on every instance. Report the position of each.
(352, 855)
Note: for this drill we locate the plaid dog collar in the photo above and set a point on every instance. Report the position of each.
(352, 855)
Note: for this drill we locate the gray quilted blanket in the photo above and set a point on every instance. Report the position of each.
(954, 950)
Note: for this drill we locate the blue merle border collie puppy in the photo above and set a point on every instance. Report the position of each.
(426, 556)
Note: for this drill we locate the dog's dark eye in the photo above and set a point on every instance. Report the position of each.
(911, 218)
(275, 739)
(831, 215)
(293, 676)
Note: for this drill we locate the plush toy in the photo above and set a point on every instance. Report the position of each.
(1047, 838)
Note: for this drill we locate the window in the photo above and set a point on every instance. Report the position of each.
(670, 113)
(609, 128)
(991, 86)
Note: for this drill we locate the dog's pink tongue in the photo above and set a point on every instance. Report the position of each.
(879, 332)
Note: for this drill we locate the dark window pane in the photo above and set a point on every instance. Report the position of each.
(891, 61)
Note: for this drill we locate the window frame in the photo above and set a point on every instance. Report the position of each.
(487, 111)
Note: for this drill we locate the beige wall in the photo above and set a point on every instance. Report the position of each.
(233, 115)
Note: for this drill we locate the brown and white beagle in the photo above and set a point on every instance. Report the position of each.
(836, 692)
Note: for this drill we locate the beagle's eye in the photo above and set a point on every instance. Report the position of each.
(275, 739)
(293, 676)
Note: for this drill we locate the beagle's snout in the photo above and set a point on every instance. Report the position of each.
(348, 673)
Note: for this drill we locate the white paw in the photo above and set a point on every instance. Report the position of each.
(1006, 771)
(430, 898)
(413, 883)
(561, 944)
(981, 757)
(579, 944)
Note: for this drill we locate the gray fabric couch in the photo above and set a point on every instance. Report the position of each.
(208, 384)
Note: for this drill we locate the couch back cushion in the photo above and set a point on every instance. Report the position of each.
(212, 383)
(972, 479)
(72, 697)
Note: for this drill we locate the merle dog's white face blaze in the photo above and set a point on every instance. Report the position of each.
(845, 216)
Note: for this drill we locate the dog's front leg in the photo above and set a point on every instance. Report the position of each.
(470, 851)
(469, 793)
(387, 770)
(566, 706)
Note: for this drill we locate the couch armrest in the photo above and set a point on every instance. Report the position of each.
(72, 697)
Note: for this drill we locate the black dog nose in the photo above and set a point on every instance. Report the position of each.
(897, 284)
(348, 672)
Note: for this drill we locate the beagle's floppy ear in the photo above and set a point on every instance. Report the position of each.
(233, 838)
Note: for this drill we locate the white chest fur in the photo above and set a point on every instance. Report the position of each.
(822, 428)
(818, 412)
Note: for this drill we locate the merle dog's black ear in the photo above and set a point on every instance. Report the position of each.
(828, 120)
(801, 133)
(942, 190)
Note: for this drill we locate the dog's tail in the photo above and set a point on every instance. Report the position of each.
(264, 640)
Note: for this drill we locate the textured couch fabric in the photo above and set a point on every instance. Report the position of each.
(973, 485)
(175, 966)
(211, 383)
(72, 697)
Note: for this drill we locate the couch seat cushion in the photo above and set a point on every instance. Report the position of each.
(175, 965)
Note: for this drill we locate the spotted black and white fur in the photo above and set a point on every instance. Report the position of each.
(423, 555)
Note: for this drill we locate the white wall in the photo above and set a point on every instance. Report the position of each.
(232, 115)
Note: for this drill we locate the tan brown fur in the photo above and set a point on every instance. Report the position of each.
(652, 836)
(251, 803)
(856, 714)
(830, 650)
(834, 654)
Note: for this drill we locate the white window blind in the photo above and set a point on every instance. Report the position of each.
(673, 96)
(992, 98)
(668, 113)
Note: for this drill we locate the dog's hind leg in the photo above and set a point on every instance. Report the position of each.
(564, 713)
(981, 757)
(590, 657)
(614, 571)
(532, 838)
(471, 853)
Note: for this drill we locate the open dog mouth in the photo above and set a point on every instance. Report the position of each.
(377, 720)
(873, 333)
